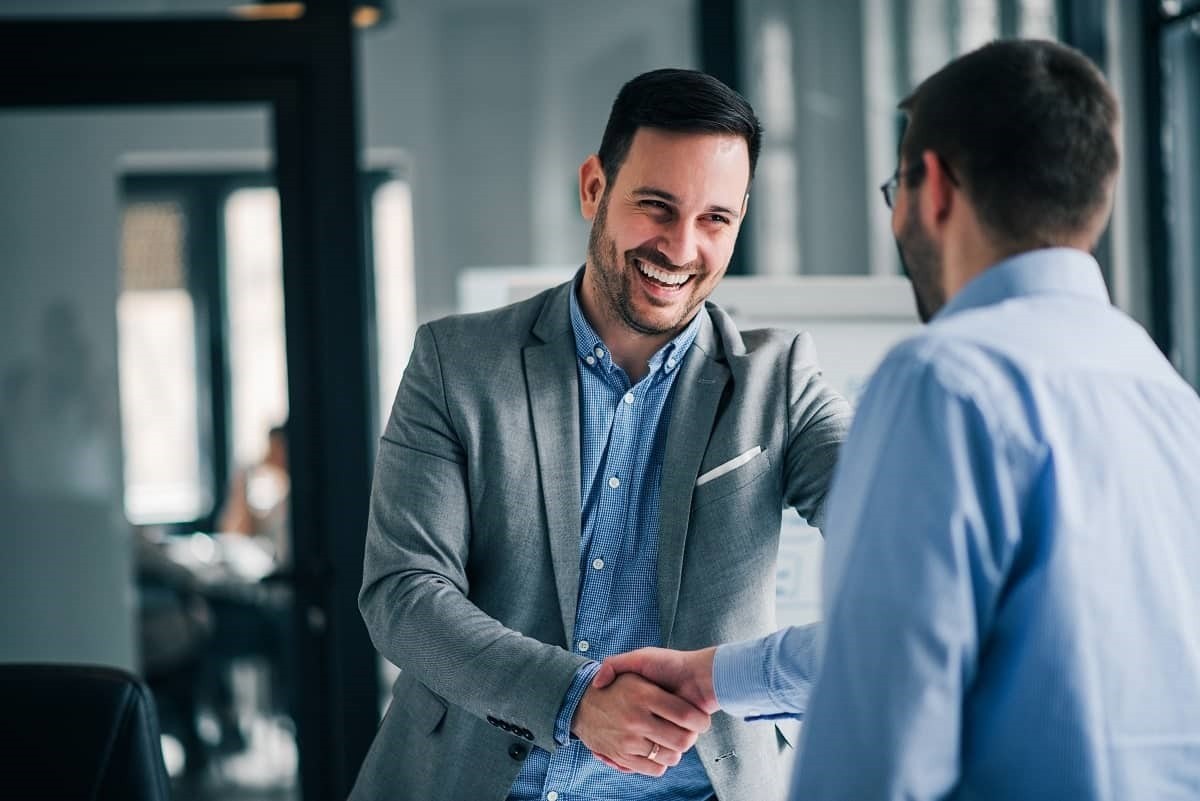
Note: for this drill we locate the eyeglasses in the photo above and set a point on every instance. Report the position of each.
(889, 187)
(892, 184)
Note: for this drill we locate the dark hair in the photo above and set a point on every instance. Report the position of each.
(1028, 128)
(684, 101)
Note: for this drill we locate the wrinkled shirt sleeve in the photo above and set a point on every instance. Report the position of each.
(922, 524)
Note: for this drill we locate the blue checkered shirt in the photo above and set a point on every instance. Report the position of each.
(623, 432)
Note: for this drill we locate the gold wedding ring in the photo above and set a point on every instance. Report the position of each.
(653, 751)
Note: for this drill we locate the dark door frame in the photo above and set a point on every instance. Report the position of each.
(304, 72)
(719, 45)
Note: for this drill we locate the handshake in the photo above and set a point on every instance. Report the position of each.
(645, 709)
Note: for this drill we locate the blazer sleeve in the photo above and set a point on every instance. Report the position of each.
(818, 423)
(414, 597)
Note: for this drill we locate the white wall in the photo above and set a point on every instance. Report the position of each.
(590, 50)
(497, 102)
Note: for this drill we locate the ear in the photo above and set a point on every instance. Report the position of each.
(591, 186)
(940, 193)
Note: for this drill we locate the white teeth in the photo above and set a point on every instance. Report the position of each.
(674, 279)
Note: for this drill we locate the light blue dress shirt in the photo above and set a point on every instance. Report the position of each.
(1012, 575)
(623, 436)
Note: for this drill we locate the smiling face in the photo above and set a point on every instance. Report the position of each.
(663, 232)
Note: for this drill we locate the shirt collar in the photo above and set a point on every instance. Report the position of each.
(1035, 272)
(588, 344)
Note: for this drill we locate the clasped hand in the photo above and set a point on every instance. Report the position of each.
(646, 708)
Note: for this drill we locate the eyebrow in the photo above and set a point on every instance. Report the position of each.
(663, 194)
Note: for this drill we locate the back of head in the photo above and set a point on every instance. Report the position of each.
(1029, 128)
(682, 101)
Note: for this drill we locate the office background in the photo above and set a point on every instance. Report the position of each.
(216, 216)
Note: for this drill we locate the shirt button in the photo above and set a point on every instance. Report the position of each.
(600, 352)
(629, 397)
(614, 482)
(590, 359)
(551, 796)
(583, 646)
(670, 362)
(598, 564)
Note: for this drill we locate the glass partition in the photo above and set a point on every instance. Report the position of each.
(116, 416)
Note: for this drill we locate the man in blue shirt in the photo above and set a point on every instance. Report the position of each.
(596, 469)
(1012, 582)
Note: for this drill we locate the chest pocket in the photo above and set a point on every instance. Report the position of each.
(727, 483)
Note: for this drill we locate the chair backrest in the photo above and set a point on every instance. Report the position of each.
(79, 732)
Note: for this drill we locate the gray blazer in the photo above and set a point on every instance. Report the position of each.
(472, 554)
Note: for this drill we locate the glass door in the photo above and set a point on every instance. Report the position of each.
(142, 356)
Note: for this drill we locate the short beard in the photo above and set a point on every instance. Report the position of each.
(611, 280)
(922, 264)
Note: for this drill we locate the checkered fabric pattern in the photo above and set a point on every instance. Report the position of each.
(623, 430)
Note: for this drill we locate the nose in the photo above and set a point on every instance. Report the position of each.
(679, 243)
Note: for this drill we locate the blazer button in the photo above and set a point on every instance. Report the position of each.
(527, 734)
(518, 751)
(492, 721)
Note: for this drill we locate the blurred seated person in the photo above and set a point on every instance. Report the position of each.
(175, 628)
(175, 622)
(256, 503)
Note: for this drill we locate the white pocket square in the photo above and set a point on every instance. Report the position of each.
(726, 467)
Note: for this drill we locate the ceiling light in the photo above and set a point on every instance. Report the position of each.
(363, 14)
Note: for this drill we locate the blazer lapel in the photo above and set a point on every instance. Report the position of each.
(553, 387)
(697, 392)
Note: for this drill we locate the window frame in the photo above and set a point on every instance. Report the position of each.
(202, 196)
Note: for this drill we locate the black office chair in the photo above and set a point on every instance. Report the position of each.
(79, 732)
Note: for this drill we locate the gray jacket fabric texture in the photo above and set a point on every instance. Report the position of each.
(471, 573)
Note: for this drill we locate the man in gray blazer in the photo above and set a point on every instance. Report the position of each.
(596, 469)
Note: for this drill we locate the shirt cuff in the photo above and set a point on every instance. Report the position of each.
(769, 677)
(739, 679)
(566, 714)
